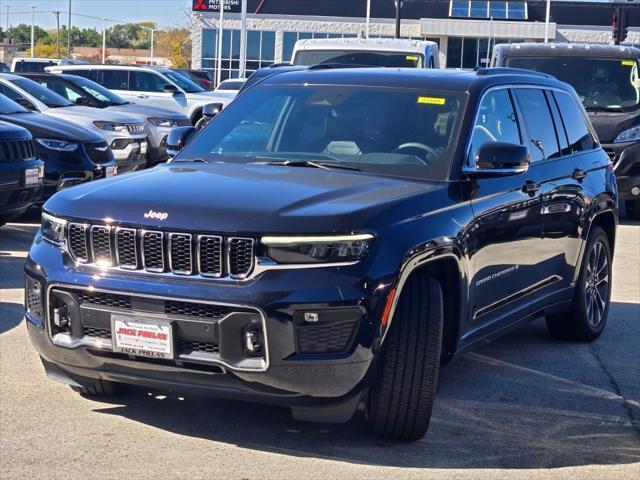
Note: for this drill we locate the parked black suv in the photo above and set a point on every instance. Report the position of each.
(71, 154)
(331, 238)
(608, 84)
(21, 172)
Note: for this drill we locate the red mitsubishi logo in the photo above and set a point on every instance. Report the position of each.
(200, 5)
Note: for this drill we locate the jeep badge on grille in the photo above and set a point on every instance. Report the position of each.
(156, 215)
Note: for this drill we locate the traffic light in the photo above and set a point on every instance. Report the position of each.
(620, 25)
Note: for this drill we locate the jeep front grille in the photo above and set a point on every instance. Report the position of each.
(17, 150)
(183, 254)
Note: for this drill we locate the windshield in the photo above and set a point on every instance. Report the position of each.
(9, 106)
(46, 96)
(601, 83)
(183, 82)
(394, 131)
(356, 57)
(231, 85)
(98, 91)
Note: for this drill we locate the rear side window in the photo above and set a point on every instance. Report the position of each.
(115, 79)
(147, 82)
(543, 143)
(496, 122)
(580, 138)
(82, 73)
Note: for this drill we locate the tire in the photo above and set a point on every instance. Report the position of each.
(632, 208)
(400, 402)
(585, 319)
(100, 388)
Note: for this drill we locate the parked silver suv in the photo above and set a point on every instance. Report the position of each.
(151, 86)
(124, 134)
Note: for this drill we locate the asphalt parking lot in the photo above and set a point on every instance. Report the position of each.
(526, 406)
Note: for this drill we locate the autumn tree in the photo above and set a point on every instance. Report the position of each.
(175, 44)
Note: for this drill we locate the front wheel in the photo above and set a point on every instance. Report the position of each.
(200, 124)
(400, 402)
(587, 315)
(633, 209)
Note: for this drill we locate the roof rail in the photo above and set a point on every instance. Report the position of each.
(278, 65)
(506, 71)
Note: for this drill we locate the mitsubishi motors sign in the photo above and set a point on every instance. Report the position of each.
(231, 6)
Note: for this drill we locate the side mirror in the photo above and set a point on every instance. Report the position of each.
(168, 88)
(23, 102)
(212, 109)
(178, 139)
(83, 101)
(499, 158)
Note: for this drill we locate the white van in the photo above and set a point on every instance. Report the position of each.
(372, 52)
(37, 65)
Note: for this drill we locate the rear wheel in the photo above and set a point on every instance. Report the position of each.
(633, 209)
(399, 404)
(587, 315)
(100, 388)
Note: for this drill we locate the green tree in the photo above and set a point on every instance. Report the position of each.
(22, 34)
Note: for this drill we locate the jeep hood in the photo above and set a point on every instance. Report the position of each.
(87, 115)
(142, 112)
(247, 199)
(45, 126)
(608, 125)
(211, 97)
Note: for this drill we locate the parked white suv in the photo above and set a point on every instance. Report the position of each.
(124, 134)
(153, 86)
(38, 64)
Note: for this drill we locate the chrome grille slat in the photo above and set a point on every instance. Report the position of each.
(126, 248)
(153, 251)
(101, 245)
(77, 235)
(181, 253)
(209, 254)
(240, 257)
(160, 252)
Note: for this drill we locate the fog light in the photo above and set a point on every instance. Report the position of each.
(635, 191)
(61, 317)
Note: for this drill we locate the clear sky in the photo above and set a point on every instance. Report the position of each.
(163, 12)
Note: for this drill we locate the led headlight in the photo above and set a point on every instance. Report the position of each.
(111, 126)
(164, 122)
(57, 145)
(318, 249)
(630, 135)
(53, 228)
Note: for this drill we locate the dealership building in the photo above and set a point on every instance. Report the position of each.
(465, 30)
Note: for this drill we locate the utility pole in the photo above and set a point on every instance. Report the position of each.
(57, 14)
(546, 22)
(104, 40)
(69, 33)
(33, 31)
(8, 24)
(219, 60)
(398, 16)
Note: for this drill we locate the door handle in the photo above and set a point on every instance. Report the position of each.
(530, 187)
(578, 174)
(142, 96)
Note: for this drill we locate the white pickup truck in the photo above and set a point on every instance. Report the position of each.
(378, 52)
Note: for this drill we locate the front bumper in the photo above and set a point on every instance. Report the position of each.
(281, 374)
(15, 196)
(626, 165)
(130, 153)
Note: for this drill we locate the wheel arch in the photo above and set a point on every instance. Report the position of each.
(446, 265)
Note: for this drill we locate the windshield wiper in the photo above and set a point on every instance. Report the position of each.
(308, 164)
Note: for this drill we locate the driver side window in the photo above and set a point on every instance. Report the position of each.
(496, 122)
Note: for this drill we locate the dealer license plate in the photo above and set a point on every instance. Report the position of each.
(31, 177)
(143, 148)
(110, 171)
(141, 337)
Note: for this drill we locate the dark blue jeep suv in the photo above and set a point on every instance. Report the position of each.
(331, 238)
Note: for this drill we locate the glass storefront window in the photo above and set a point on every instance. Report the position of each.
(517, 10)
(479, 9)
(498, 10)
(460, 8)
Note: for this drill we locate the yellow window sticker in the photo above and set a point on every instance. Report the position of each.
(628, 63)
(432, 100)
(412, 57)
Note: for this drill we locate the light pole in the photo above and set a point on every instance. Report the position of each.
(219, 61)
(33, 31)
(8, 8)
(398, 17)
(152, 33)
(546, 22)
(367, 25)
(69, 33)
